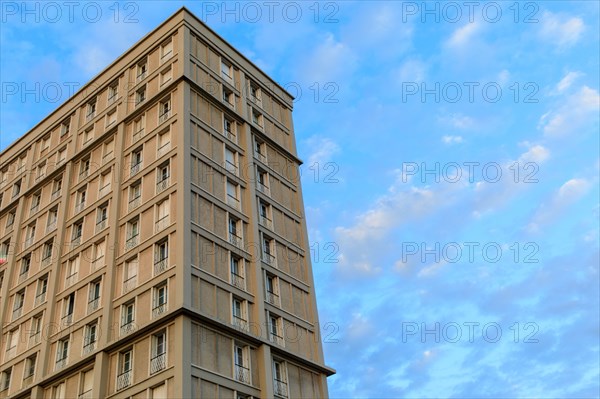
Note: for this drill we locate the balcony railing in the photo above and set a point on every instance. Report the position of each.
(79, 206)
(242, 374)
(276, 339)
(263, 189)
(67, 320)
(28, 242)
(124, 380)
(34, 209)
(159, 309)
(51, 227)
(158, 363)
(39, 299)
(132, 242)
(35, 338)
(70, 280)
(230, 135)
(241, 324)
(162, 223)
(60, 364)
(162, 150)
(93, 305)
(10, 352)
(17, 313)
(141, 76)
(76, 241)
(23, 276)
(231, 167)
(104, 191)
(89, 347)
(266, 222)
(127, 328)
(55, 195)
(137, 135)
(162, 185)
(129, 284)
(269, 259)
(47, 261)
(97, 263)
(272, 298)
(85, 395)
(234, 202)
(235, 240)
(161, 265)
(238, 281)
(134, 203)
(164, 116)
(101, 225)
(135, 168)
(280, 388)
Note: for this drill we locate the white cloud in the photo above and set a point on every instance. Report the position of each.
(462, 36)
(561, 30)
(411, 71)
(458, 121)
(567, 81)
(322, 150)
(452, 139)
(537, 153)
(579, 108)
(331, 61)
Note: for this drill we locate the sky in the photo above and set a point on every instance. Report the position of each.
(450, 176)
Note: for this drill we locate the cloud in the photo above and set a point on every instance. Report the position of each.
(567, 81)
(561, 30)
(411, 70)
(331, 61)
(323, 149)
(452, 139)
(462, 36)
(578, 110)
(458, 121)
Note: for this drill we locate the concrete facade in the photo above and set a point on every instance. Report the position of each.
(154, 235)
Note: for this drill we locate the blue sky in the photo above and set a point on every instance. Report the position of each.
(503, 267)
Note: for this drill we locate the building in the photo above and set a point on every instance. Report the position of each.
(154, 238)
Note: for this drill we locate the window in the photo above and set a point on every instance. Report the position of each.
(35, 202)
(30, 366)
(226, 71)
(5, 379)
(40, 171)
(227, 96)
(160, 300)
(257, 117)
(242, 372)
(276, 329)
(3, 175)
(142, 70)
(264, 215)
(29, 235)
(140, 95)
(59, 391)
(77, 232)
(91, 110)
(138, 128)
(108, 150)
(52, 219)
(11, 343)
(159, 352)
(229, 128)
(64, 128)
(166, 50)
(136, 162)
(125, 376)
(72, 268)
(21, 162)
(162, 177)
(42, 288)
(18, 304)
(101, 217)
(88, 134)
(166, 75)
(255, 93)
(232, 194)
(164, 110)
(68, 308)
(162, 215)
(238, 311)
(111, 118)
(161, 257)
(133, 231)
(36, 330)
(62, 353)
(164, 142)
(237, 272)
(127, 317)
(235, 233)
(105, 180)
(279, 379)
(25, 266)
(88, 384)
(47, 252)
(231, 161)
(113, 91)
(98, 255)
(268, 251)
(262, 179)
(130, 275)
(62, 156)
(16, 189)
(84, 168)
(90, 337)
(135, 194)
(94, 296)
(10, 219)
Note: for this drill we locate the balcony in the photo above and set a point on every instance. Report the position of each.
(76, 241)
(66, 320)
(60, 364)
(23, 277)
(280, 388)
(34, 209)
(162, 150)
(231, 167)
(161, 224)
(35, 339)
(230, 135)
(260, 157)
(164, 116)
(132, 242)
(234, 202)
(124, 380)
(83, 174)
(104, 191)
(127, 328)
(235, 240)
(238, 281)
(89, 116)
(101, 225)
(17, 313)
(39, 299)
(137, 135)
(89, 347)
(239, 323)
(93, 305)
(55, 195)
(272, 298)
(10, 353)
(135, 168)
(276, 339)
(85, 395)
(79, 207)
(28, 242)
(70, 280)
(47, 261)
(161, 265)
(134, 203)
(158, 363)
(129, 284)
(28, 379)
(162, 185)
(97, 264)
(269, 259)
(159, 309)
(266, 222)
(51, 227)
(242, 374)
(141, 76)
(262, 188)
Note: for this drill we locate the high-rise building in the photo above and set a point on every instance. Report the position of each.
(153, 235)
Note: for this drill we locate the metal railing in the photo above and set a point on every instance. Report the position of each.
(124, 380)
(240, 323)
(162, 223)
(164, 116)
(60, 363)
(129, 284)
(272, 298)
(70, 280)
(277, 339)
(280, 388)
(104, 191)
(67, 320)
(161, 265)
(162, 185)
(127, 328)
(134, 203)
(132, 242)
(266, 222)
(159, 309)
(158, 363)
(93, 305)
(262, 188)
(242, 374)
(101, 225)
(135, 168)
(268, 259)
(238, 281)
(235, 240)
(89, 347)
(17, 313)
(51, 227)
(162, 150)
(39, 299)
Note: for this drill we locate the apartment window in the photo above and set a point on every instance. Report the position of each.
(47, 252)
(264, 213)
(232, 194)
(255, 93)
(140, 95)
(161, 257)
(234, 232)
(231, 161)
(108, 150)
(268, 245)
(30, 366)
(166, 75)
(125, 376)
(25, 266)
(113, 92)
(280, 387)
(62, 156)
(142, 70)
(77, 232)
(257, 118)
(11, 343)
(98, 255)
(91, 110)
(138, 128)
(40, 171)
(62, 353)
(229, 128)
(71, 271)
(111, 118)
(94, 296)
(130, 275)
(59, 391)
(271, 287)
(276, 330)
(84, 168)
(237, 272)
(164, 110)
(5, 379)
(10, 219)
(238, 310)
(133, 232)
(64, 128)
(29, 235)
(127, 317)
(135, 194)
(88, 135)
(262, 179)
(226, 71)
(52, 219)
(36, 199)
(158, 361)
(162, 215)
(68, 309)
(160, 300)
(42, 288)
(242, 372)
(90, 337)
(166, 50)
(136, 161)
(164, 142)
(227, 96)
(56, 188)
(36, 330)
(3, 175)
(16, 189)
(105, 181)
(162, 177)
(102, 217)
(18, 304)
